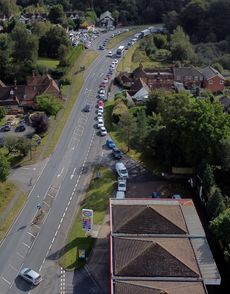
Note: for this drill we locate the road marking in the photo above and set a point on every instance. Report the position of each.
(60, 172)
(26, 245)
(31, 234)
(73, 173)
(6, 280)
(19, 255)
(11, 266)
(46, 203)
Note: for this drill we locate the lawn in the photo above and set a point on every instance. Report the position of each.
(7, 193)
(96, 198)
(48, 62)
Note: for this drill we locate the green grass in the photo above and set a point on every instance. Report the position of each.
(96, 198)
(48, 62)
(7, 192)
(123, 36)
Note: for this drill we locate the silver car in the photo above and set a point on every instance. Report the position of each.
(30, 276)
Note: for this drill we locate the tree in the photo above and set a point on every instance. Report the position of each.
(40, 122)
(220, 226)
(215, 204)
(10, 143)
(23, 146)
(5, 56)
(4, 167)
(160, 41)
(208, 179)
(3, 112)
(223, 153)
(171, 20)
(127, 125)
(8, 7)
(40, 28)
(49, 104)
(181, 48)
(57, 15)
(50, 43)
(142, 129)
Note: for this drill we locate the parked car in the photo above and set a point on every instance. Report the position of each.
(176, 196)
(110, 54)
(100, 109)
(21, 127)
(100, 103)
(102, 85)
(106, 80)
(110, 144)
(121, 170)
(103, 131)
(86, 108)
(101, 96)
(156, 195)
(121, 184)
(101, 47)
(30, 276)
(101, 91)
(115, 61)
(100, 123)
(112, 65)
(120, 195)
(117, 154)
(99, 115)
(7, 127)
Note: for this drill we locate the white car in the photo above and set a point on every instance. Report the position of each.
(106, 80)
(110, 54)
(99, 116)
(30, 276)
(120, 195)
(112, 65)
(101, 91)
(103, 131)
(100, 109)
(121, 184)
(100, 123)
(115, 61)
(121, 170)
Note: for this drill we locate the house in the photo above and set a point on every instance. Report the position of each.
(139, 91)
(159, 246)
(213, 80)
(106, 20)
(124, 79)
(20, 98)
(190, 77)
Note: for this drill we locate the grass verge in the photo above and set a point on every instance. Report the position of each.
(7, 192)
(123, 36)
(96, 198)
(5, 225)
(48, 62)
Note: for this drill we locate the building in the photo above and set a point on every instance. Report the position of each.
(106, 20)
(20, 98)
(159, 246)
(190, 77)
(213, 80)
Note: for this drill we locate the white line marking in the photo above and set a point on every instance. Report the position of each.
(6, 280)
(31, 234)
(11, 266)
(46, 203)
(60, 172)
(73, 173)
(19, 255)
(26, 245)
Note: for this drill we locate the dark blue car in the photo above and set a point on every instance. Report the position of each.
(110, 144)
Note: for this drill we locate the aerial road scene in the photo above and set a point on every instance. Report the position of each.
(114, 147)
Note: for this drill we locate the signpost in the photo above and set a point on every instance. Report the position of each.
(87, 220)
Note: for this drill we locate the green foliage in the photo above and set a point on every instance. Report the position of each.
(8, 7)
(118, 110)
(223, 153)
(40, 28)
(215, 204)
(57, 15)
(220, 226)
(224, 61)
(160, 41)
(171, 20)
(5, 56)
(40, 122)
(3, 112)
(4, 167)
(49, 104)
(126, 127)
(91, 15)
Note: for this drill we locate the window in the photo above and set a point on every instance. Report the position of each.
(221, 82)
(210, 82)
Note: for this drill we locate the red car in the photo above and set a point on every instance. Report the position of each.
(102, 85)
(100, 103)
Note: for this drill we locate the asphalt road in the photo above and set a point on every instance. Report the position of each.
(56, 189)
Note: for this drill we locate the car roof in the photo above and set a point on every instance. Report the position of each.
(30, 272)
(120, 165)
(120, 195)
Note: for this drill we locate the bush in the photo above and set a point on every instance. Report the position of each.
(3, 111)
(40, 122)
(118, 110)
(65, 81)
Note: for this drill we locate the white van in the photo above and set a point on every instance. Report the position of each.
(121, 170)
(120, 195)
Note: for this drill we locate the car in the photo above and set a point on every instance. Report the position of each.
(121, 170)
(100, 103)
(117, 154)
(115, 61)
(112, 65)
(99, 115)
(102, 85)
(86, 108)
(108, 76)
(21, 127)
(110, 71)
(103, 131)
(101, 96)
(110, 54)
(30, 276)
(156, 195)
(101, 47)
(100, 123)
(101, 91)
(121, 186)
(7, 127)
(120, 195)
(105, 80)
(176, 196)
(100, 109)
(110, 144)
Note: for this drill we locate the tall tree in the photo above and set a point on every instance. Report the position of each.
(5, 56)
(127, 125)
(4, 167)
(215, 204)
(57, 15)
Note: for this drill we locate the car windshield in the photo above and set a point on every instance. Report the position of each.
(123, 171)
(121, 184)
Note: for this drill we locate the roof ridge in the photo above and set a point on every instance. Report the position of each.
(130, 218)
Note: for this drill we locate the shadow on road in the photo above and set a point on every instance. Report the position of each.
(23, 285)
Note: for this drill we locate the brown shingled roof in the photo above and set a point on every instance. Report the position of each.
(141, 219)
(153, 257)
